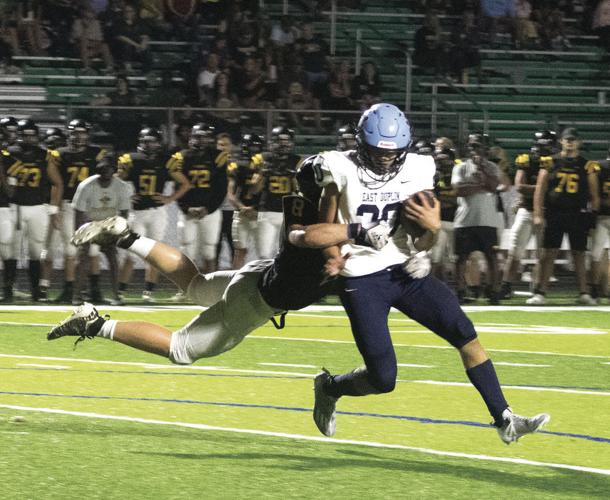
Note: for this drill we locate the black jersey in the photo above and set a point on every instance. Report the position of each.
(446, 193)
(4, 199)
(279, 180)
(28, 166)
(604, 187)
(75, 166)
(295, 279)
(531, 165)
(242, 171)
(148, 174)
(568, 186)
(207, 172)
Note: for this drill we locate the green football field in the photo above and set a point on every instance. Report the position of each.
(106, 421)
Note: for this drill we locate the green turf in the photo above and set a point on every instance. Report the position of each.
(67, 456)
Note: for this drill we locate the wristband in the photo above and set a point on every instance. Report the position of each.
(12, 181)
(53, 209)
(353, 230)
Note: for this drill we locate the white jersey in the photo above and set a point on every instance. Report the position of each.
(358, 203)
(101, 202)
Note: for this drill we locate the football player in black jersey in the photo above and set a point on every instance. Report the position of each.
(239, 301)
(274, 180)
(75, 162)
(346, 137)
(206, 171)
(527, 166)
(146, 170)
(566, 189)
(32, 176)
(9, 131)
(241, 174)
(602, 230)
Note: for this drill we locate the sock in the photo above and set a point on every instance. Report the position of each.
(44, 283)
(485, 380)
(10, 273)
(106, 329)
(537, 291)
(149, 286)
(94, 281)
(34, 273)
(506, 286)
(123, 287)
(595, 291)
(142, 246)
(354, 383)
(69, 286)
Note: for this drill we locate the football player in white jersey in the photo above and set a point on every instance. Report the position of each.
(367, 186)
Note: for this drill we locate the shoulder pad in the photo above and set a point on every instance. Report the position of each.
(102, 152)
(222, 159)
(592, 167)
(124, 159)
(522, 159)
(5, 152)
(546, 161)
(54, 153)
(457, 161)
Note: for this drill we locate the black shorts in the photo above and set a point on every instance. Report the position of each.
(476, 238)
(575, 224)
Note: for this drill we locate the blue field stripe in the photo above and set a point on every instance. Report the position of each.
(422, 420)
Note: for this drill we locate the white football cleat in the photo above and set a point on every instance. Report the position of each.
(324, 406)
(102, 232)
(536, 300)
(516, 426)
(147, 297)
(586, 300)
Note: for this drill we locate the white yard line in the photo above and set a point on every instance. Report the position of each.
(517, 387)
(301, 437)
(411, 365)
(19, 323)
(287, 364)
(527, 365)
(36, 365)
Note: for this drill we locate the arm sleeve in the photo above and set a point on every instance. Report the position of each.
(79, 202)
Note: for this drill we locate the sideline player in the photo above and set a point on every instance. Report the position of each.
(367, 186)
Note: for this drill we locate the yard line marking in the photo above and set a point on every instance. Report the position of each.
(422, 346)
(410, 365)
(54, 367)
(287, 364)
(527, 365)
(19, 323)
(301, 437)
(518, 387)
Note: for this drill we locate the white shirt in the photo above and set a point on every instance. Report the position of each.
(367, 206)
(101, 202)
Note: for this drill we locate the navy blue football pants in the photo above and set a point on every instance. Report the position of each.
(367, 301)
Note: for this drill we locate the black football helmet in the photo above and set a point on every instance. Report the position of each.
(202, 136)
(282, 141)
(251, 144)
(150, 141)
(54, 138)
(78, 134)
(423, 147)
(9, 127)
(478, 144)
(28, 132)
(545, 142)
(308, 176)
(346, 137)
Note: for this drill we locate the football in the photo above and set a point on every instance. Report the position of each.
(410, 226)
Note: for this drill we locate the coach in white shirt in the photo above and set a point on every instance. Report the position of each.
(100, 196)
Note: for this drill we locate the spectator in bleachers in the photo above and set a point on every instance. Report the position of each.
(367, 83)
(299, 98)
(152, 13)
(249, 84)
(131, 40)
(88, 36)
(526, 33)
(429, 48)
(464, 49)
(122, 95)
(495, 13)
(205, 79)
(223, 90)
(339, 88)
(601, 23)
(293, 71)
(551, 27)
(564, 189)
(313, 49)
(283, 36)
(242, 45)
